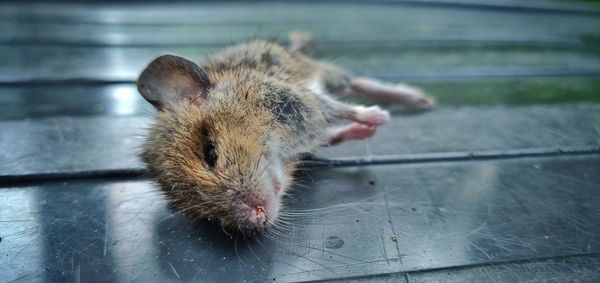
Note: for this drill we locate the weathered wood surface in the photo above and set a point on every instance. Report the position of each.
(498, 183)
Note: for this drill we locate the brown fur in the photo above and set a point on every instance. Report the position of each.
(250, 111)
(247, 81)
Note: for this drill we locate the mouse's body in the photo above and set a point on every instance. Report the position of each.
(229, 132)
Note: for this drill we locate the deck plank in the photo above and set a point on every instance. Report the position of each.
(577, 268)
(74, 145)
(180, 13)
(80, 100)
(442, 215)
(132, 232)
(438, 196)
(392, 62)
(494, 211)
(212, 23)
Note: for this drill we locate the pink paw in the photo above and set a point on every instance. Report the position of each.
(354, 131)
(372, 115)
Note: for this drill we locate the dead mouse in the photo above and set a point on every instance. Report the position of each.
(230, 131)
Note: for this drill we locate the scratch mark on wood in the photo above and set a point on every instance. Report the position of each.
(174, 271)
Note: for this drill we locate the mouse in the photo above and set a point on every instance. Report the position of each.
(230, 131)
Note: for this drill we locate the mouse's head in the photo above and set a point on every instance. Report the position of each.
(214, 156)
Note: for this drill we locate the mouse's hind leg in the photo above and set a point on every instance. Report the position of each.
(339, 83)
(366, 115)
(366, 118)
(410, 97)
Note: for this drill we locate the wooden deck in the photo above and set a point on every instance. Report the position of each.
(500, 183)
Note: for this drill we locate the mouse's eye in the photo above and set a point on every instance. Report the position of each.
(210, 154)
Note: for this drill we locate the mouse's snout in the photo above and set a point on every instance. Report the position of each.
(252, 217)
(255, 211)
(258, 215)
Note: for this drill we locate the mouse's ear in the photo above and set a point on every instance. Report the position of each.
(169, 79)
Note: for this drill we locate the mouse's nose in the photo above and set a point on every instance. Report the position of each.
(258, 215)
(259, 209)
(256, 210)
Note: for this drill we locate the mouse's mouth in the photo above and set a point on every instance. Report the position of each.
(252, 216)
(258, 209)
(258, 215)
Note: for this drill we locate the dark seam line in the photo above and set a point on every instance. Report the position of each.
(441, 75)
(316, 162)
(441, 4)
(99, 175)
(67, 82)
(83, 43)
(486, 7)
(453, 156)
(333, 43)
(474, 74)
(79, 21)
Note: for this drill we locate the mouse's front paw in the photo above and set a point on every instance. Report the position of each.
(372, 115)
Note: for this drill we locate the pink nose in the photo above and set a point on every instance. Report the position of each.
(259, 215)
(259, 209)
